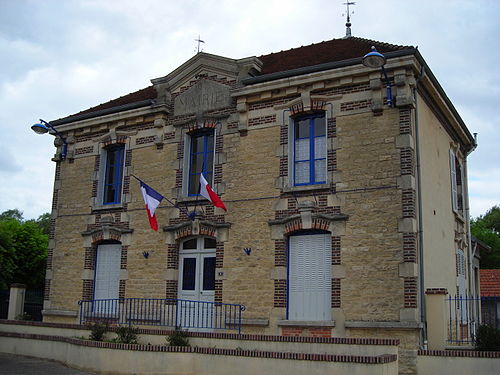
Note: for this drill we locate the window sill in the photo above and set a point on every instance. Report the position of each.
(459, 216)
(306, 323)
(291, 189)
(192, 199)
(103, 207)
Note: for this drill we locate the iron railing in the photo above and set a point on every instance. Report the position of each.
(463, 319)
(467, 313)
(177, 313)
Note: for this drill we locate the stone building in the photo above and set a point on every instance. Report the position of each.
(343, 208)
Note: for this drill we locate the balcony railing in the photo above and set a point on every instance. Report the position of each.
(184, 314)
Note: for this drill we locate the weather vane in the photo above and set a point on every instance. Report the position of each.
(348, 23)
(199, 41)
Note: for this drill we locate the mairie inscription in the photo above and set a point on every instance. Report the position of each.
(204, 96)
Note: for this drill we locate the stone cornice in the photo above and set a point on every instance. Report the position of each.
(288, 219)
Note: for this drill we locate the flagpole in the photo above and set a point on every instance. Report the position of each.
(175, 205)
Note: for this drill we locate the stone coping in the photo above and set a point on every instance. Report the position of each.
(59, 313)
(377, 359)
(385, 325)
(459, 353)
(306, 323)
(227, 336)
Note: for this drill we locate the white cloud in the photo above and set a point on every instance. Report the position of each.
(84, 53)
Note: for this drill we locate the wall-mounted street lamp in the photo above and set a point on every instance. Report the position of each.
(375, 59)
(43, 127)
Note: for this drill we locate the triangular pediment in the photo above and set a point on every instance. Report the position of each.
(208, 65)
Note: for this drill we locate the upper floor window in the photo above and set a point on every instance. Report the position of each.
(201, 159)
(113, 174)
(457, 186)
(309, 149)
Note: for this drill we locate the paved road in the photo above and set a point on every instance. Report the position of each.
(11, 364)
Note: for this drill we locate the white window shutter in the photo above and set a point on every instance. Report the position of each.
(107, 274)
(453, 175)
(310, 278)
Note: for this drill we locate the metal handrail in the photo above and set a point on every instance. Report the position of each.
(168, 312)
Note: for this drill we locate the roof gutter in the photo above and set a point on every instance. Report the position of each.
(103, 112)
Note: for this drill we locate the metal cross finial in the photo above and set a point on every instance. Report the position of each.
(348, 23)
(199, 41)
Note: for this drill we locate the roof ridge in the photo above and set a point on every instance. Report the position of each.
(385, 44)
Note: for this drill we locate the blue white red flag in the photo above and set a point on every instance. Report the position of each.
(207, 192)
(152, 199)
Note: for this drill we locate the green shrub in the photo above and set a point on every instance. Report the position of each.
(127, 335)
(178, 338)
(488, 339)
(24, 316)
(98, 330)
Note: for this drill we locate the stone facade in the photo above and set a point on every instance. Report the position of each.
(368, 204)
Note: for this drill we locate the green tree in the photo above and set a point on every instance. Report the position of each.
(12, 214)
(43, 222)
(23, 250)
(487, 229)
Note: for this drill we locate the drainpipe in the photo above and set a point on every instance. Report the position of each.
(474, 313)
(423, 315)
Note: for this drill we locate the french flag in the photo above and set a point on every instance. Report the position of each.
(152, 199)
(207, 192)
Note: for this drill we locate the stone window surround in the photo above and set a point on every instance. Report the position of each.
(107, 231)
(281, 229)
(302, 105)
(109, 139)
(190, 127)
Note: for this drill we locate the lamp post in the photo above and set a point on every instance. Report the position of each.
(375, 59)
(43, 127)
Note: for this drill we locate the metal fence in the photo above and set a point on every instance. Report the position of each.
(467, 313)
(4, 303)
(33, 304)
(185, 314)
(463, 319)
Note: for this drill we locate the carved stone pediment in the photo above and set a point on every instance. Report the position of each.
(203, 96)
(106, 231)
(307, 219)
(197, 227)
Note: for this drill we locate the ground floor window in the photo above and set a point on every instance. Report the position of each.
(310, 277)
(107, 276)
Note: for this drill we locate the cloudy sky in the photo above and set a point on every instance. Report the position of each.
(62, 56)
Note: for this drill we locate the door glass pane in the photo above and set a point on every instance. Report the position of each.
(109, 194)
(210, 243)
(209, 273)
(189, 274)
(319, 126)
(210, 142)
(319, 147)
(196, 144)
(210, 162)
(302, 149)
(302, 129)
(302, 173)
(196, 163)
(189, 244)
(320, 171)
(194, 184)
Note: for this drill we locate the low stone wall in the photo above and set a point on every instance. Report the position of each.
(457, 362)
(107, 357)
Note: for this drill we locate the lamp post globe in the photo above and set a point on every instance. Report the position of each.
(374, 59)
(39, 128)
